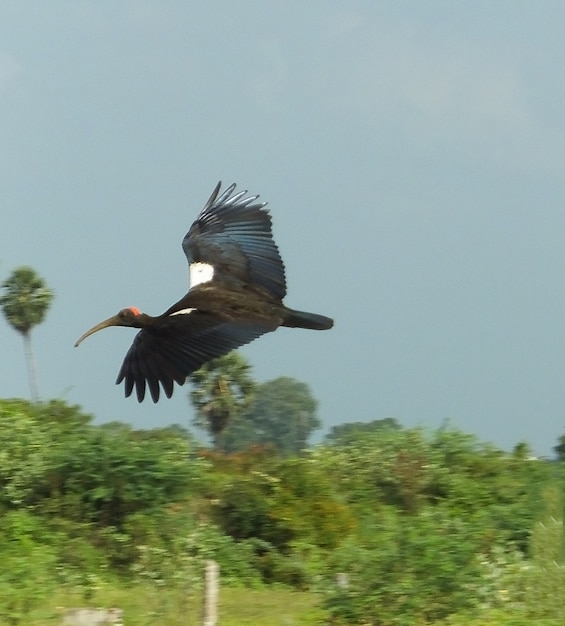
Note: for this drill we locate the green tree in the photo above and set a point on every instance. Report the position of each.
(25, 302)
(560, 448)
(344, 434)
(25, 445)
(522, 451)
(545, 579)
(406, 570)
(28, 572)
(287, 508)
(283, 414)
(112, 472)
(222, 392)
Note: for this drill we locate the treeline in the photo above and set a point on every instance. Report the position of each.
(422, 525)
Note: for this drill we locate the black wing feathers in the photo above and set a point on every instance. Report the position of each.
(172, 354)
(233, 233)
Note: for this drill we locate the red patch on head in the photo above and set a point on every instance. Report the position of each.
(134, 310)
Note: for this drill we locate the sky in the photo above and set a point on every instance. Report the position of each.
(413, 158)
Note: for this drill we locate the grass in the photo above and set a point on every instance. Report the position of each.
(144, 606)
(498, 618)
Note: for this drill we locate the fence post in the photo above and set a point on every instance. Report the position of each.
(342, 580)
(210, 604)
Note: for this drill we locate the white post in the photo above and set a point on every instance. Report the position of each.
(210, 606)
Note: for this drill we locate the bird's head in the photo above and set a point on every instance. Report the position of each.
(126, 317)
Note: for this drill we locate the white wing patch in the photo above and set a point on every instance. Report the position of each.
(183, 312)
(200, 273)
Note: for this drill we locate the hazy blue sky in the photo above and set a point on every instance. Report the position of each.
(413, 157)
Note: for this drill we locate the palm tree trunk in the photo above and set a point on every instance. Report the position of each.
(30, 360)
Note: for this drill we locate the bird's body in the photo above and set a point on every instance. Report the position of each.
(237, 285)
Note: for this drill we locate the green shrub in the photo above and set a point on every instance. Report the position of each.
(27, 570)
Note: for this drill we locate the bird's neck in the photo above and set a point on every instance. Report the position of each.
(142, 320)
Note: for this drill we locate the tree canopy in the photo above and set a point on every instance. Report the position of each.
(222, 390)
(282, 415)
(25, 302)
(26, 299)
(351, 431)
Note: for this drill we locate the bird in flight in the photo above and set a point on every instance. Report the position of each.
(237, 286)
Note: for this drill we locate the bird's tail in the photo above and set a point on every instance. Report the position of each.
(311, 321)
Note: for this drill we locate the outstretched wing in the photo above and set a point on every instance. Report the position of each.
(232, 240)
(171, 353)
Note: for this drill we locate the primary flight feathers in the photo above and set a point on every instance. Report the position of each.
(236, 292)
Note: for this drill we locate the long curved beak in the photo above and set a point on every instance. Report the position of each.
(111, 321)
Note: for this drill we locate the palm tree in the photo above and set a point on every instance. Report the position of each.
(222, 390)
(25, 302)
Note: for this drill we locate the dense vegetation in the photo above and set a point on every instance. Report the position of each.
(423, 527)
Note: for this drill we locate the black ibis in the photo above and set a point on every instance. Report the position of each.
(237, 284)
